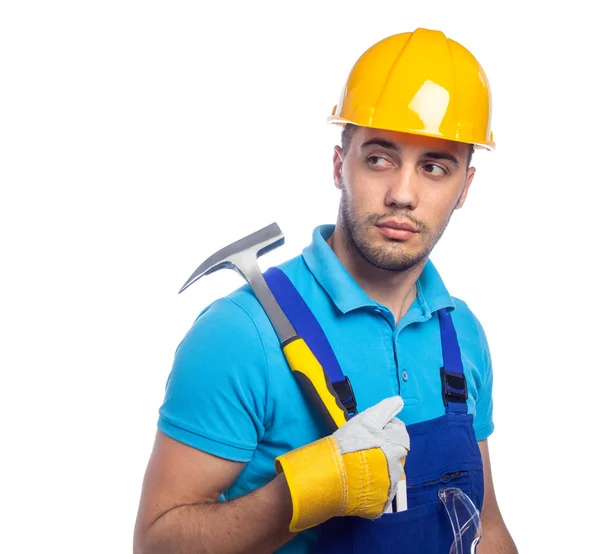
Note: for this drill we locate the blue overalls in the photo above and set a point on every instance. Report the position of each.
(443, 451)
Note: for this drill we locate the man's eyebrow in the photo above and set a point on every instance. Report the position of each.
(433, 154)
(442, 155)
(381, 142)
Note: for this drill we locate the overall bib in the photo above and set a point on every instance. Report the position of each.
(443, 451)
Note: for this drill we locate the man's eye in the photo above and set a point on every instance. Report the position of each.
(435, 170)
(378, 161)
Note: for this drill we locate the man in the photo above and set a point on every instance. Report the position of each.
(242, 462)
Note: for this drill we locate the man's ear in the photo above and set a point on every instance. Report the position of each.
(465, 192)
(338, 160)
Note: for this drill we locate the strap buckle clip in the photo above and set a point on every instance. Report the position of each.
(454, 387)
(345, 393)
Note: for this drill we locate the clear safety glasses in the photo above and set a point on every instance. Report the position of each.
(465, 520)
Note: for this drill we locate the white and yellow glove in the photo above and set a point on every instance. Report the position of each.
(353, 472)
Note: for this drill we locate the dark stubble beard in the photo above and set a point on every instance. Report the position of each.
(390, 256)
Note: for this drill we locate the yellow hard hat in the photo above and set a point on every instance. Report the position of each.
(421, 83)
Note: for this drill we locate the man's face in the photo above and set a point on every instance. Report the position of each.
(398, 193)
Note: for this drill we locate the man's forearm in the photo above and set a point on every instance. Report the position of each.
(497, 541)
(255, 523)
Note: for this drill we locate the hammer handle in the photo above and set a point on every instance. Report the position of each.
(315, 383)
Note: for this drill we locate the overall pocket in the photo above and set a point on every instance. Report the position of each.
(413, 531)
(426, 492)
(424, 528)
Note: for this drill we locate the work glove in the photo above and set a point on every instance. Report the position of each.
(353, 472)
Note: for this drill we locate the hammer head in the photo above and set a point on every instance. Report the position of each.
(240, 253)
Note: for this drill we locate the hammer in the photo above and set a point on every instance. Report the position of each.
(242, 256)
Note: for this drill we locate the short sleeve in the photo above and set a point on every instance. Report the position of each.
(216, 391)
(483, 423)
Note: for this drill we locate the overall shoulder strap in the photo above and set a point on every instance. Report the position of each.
(454, 383)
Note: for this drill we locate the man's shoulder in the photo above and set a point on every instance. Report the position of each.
(462, 309)
(467, 324)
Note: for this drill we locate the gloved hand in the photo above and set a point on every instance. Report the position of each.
(353, 472)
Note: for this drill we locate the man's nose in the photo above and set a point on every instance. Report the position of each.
(403, 188)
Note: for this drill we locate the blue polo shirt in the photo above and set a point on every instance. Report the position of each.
(231, 393)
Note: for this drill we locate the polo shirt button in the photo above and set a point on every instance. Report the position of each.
(405, 375)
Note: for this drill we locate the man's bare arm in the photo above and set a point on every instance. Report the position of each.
(496, 538)
(179, 511)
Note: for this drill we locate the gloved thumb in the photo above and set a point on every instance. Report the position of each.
(378, 416)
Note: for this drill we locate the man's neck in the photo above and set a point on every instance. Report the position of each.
(394, 289)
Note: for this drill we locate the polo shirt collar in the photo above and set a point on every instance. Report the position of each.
(432, 294)
(346, 293)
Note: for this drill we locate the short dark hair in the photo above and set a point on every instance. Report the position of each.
(347, 134)
(350, 129)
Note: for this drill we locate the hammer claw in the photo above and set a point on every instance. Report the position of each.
(250, 248)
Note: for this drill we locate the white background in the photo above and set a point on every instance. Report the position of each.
(139, 137)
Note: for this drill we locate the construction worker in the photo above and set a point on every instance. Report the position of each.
(242, 462)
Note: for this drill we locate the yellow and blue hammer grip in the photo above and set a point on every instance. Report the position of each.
(315, 383)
